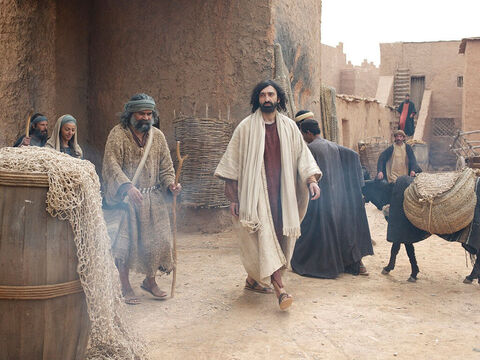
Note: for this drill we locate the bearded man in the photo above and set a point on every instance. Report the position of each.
(144, 240)
(407, 111)
(268, 172)
(38, 132)
(397, 160)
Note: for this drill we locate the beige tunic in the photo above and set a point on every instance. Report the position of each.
(398, 164)
(144, 242)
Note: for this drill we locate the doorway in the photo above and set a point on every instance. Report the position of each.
(417, 87)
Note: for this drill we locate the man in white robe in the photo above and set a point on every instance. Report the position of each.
(269, 172)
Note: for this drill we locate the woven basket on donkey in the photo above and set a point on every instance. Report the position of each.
(441, 203)
(369, 151)
(204, 140)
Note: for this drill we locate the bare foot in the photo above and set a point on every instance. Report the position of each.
(130, 298)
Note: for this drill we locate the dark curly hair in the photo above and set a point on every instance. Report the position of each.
(126, 115)
(282, 98)
(310, 125)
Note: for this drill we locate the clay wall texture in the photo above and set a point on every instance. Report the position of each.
(471, 86)
(301, 48)
(88, 57)
(333, 62)
(27, 76)
(364, 119)
(346, 78)
(185, 54)
(439, 62)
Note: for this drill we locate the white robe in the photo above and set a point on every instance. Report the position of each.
(260, 249)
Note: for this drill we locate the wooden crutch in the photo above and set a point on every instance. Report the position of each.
(174, 217)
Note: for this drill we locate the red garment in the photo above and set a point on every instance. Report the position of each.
(273, 169)
(403, 116)
(272, 159)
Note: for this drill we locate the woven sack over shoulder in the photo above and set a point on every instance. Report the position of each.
(441, 203)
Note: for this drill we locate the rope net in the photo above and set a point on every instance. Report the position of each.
(74, 195)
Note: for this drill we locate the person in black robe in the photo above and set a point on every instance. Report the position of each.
(335, 233)
(407, 111)
(38, 132)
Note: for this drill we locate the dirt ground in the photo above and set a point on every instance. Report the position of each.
(352, 317)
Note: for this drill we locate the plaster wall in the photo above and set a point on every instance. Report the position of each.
(333, 62)
(71, 65)
(384, 92)
(301, 47)
(439, 62)
(27, 78)
(364, 118)
(471, 86)
(88, 57)
(185, 54)
(346, 78)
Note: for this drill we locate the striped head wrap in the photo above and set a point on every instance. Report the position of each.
(304, 116)
(139, 105)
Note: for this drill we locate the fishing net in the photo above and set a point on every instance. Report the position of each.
(74, 195)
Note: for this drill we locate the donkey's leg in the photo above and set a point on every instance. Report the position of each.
(393, 256)
(475, 274)
(413, 262)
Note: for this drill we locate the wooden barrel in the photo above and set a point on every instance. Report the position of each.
(43, 313)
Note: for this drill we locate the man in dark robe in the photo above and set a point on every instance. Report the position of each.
(397, 160)
(407, 111)
(38, 132)
(335, 233)
(303, 115)
(268, 172)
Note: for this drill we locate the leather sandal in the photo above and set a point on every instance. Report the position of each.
(285, 301)
(256, 287)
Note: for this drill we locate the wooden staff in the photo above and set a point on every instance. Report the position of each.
(174, 216)
(27, 131)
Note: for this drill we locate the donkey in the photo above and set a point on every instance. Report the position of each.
(401, 230)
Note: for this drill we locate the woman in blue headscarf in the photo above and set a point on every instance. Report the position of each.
(64, 137)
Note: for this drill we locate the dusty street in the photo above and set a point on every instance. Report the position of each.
(362, 317)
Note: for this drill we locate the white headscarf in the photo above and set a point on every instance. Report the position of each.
(54, 142)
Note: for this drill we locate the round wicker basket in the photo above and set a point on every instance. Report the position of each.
(441, 203)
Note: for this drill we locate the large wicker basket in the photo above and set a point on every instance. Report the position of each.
(441, 203)
(204, 140)
(369, 151)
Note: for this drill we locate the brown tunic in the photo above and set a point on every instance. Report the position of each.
(273, 170)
